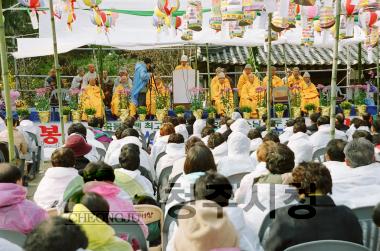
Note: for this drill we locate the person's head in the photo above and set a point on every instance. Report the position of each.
(215, 140)
(367, 118)
(92, 81)
(223, 120)
(339, 119)
(357, 122)
(274, 70)
(215, 187)
(58, 234)
(264, 117)
(174, 121)
(167, 129)
(129, 158)
(81, 71)
(210, 122)
(105, 74)
(248, 69)
(359, 152)
(122, 72)
(221, 77)
(199, 158)
(63, 157)
(306, 77)
(130, 132)
(148, 63)
(376, 126)
(264, 149)
(312, 178)
(271, 136)
(129, 122)
(192, 141)
(93, 122)
(362, 134)
(314, 117)
(91, 68)
(376, 215)
(207, 131)
(176, 138)
(98, 171)
(77, 128)
(280, 159)
(78, 144)
(296, 71)
(144, 200)
(299, 119)
(335, 150)
(254, 134)
(181, 120)
(123, 80)
(52, 72)
(10, 174)
(290, 123)
(288, 72)
(119, 131)
(323, 120)
(191, 119)
(299, 127)
(184, 60)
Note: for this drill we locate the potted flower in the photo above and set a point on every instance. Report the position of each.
(179, 110)
(23, 113)
(246, 110)
(227, 102)
(74, 105)
(279, 110)
(261, 98)
(90, 112)
(142, 111)
(65, 113)
(359, 99)
(211, 111)
(295, 101)
(42, 103)
(325, 104)
(310, 108)
(124, 99)
(346, 107)
(162, 104)
(197, 99)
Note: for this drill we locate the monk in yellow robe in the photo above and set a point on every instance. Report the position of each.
(309, 92)
(214, 86)
(184, 64)
(223, 97)
(276, 81)
(243, 79)
(122, 89)
(157, 89)
(92, 97)
(295, 79)
(248, 94)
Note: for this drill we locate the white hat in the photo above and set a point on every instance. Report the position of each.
(221, 75)
(241, 125)
(184, 58)
(306, 75)
(248, 66)
(236, 116)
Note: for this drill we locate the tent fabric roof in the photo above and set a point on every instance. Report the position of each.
(295, 55)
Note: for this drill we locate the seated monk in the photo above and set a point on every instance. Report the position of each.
(92, 97)
(309, 93)
(123, 88)
(156, 89)
(223, 98)
(248, 93)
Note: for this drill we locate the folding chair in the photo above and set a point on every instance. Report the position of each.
(151, 214)
(281, 95)
(159, 156)
(13, 236)
(101, 152)
(265, 226)
(371, 233)
(319, 155)
(328, 245)
(36, 155)
(171, 217)
(236, 179)
(163, 184)
(130, 229)
(150, 139)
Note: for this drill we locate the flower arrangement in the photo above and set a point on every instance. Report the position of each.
(211, 109)
(14, 95)
(197, 98)
(73, 102)
(246, 109)
(310, 107)
(295, 96)
(124, 97)
(141, 110)
(162, 101)
(179, 109)
(20, 103)
(260, 92)
(66, 110)
(90, 111)
(23, 112)
(280, 107)
(360, 94)
(324, 100)
(346, 105)
(42, 102)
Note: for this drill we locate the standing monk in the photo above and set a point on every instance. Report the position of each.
(295, 79)
(223, 95)
(92, 97)
(309, 93)
(156, 88)
(184, 64)
(244, 78)
(123, 88)
(248, 94)
(141, 79)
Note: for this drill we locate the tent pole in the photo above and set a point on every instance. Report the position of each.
(196, 65)
(360, 67)
(348, 77)
(208, 74)
(4, 73)
(334, 70)
(269, 72)
(58, 70)
(286, 80)
(377, 78)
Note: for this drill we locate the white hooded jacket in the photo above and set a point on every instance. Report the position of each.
(241, 125)
(198, 126)
(220, 152)
(173, 152)
(288, 132)
(321, 138)
(301, 146)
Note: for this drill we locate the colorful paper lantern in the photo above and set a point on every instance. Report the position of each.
(367, 18)
(71, 19)
(216, 15)
(258, 5)
(326, 17)
(305, 2)
(92, 3)
(307, 38)
(235, 30)
(372, 37)
(194, 15)
(178, 22)
(168, 6)
(33, 4)
(279, 23)
(249, 13)
(292, 13)
(317, 26)
(232, 10)
(348, 8)
(98, 18)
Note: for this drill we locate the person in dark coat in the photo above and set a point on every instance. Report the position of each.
(339, 123)
(316, 217)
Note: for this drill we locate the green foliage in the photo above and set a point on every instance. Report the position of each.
(23, 112)
(141, 110)
(324, 100)
(360, 97)
(211, 109)
(346, 105)
(179, 109)
(296, 99)
(280, 107)
(66, 110)
(246, 109)
(42, 103)
(90, 111)
(162, 101)
(310, 107)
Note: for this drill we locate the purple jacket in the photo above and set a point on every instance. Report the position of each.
(16, 212)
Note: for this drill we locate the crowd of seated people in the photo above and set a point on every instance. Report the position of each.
(228, 180)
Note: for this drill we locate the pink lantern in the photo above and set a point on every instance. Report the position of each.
(33, 4)
(367, 18)
(348, 8)
(310, 11)
(178, 22)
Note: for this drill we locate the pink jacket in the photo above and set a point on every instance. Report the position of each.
(16, 212)
(119, 207)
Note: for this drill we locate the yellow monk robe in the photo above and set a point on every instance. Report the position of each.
(151, 96)
(293, 81)
(92, 97)
(214, 88)
(249, 95)
(276, 81)
(220, 91)
(243, 79)
(309, 95)
(181, 67)
(115, 103)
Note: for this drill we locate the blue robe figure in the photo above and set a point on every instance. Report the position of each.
(140, 80)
